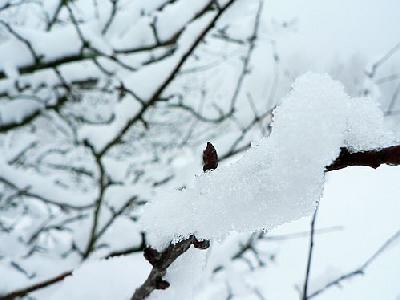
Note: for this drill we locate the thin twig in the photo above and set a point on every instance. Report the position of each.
(360, 270)
(310, 253)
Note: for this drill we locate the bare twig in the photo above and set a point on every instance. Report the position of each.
(23, 292)
(360, 270)
(372, 158)
(310, 253)
(382, 60)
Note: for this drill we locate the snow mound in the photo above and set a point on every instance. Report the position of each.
(278, 180)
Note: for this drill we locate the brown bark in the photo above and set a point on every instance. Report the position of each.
(372, 158)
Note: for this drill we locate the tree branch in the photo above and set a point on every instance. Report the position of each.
(161, 262)
(372, 158)
(25, 291)
(310, 253)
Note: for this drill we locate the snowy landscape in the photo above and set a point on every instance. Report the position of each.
(199, 149)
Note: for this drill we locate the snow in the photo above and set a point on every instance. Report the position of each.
(100, 136)
(153, 75)
(361, 200)
(279, 180)
(51, 47)
(10, 71)
(183, 275)
(136, 36)
(176, 15)
(41, 266)
(115, 278)
(51, 7)
(150, 78)
(364, 202)
(44, 187)
(352, 197)
(362, 135)
(17, 110)
(322, 279)
(95, 40)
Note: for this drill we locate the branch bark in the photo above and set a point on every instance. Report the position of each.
(372, 158)
(161, 262)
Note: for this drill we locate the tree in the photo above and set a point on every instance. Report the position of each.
(99, 101)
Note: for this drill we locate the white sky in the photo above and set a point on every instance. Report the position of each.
(339, 27)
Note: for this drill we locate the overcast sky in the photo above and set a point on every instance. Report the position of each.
(339, 27)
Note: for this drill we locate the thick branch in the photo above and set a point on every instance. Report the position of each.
(372, 158)
(161, 262)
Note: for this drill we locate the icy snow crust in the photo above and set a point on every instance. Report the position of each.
(278, 180)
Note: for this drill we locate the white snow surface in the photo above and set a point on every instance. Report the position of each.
(115, 278)
(280, 179)
(44, 187)
(183, 275)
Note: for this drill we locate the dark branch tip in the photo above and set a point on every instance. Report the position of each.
(202, 244)
(152, 256)
(210, 158)
(161, 284)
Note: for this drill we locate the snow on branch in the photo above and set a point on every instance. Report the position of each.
(162, 260)
(317, 128)
(277, 181)
(49, 51)
(280, 179)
